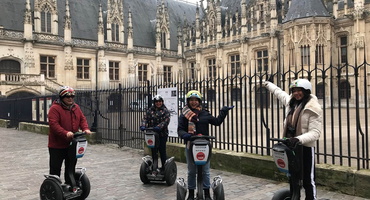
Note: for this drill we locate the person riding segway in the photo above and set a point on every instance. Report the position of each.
(195, 120)
(65, 119)
(155, 124)
(302, 125)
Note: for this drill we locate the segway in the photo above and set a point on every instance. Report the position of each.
(200, 151)
(79, 188)
(149, 170)
(288, 160)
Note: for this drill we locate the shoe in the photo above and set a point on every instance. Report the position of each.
(191, 195)
(207, 195)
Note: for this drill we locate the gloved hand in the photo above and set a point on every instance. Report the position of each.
(157, 129)
(194, 119)
(186, 136)
(227, 108)
(142, 128)
(292, 142)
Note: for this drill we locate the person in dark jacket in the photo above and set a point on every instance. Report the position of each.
(195, 120)
(158, 118)
(65, 118)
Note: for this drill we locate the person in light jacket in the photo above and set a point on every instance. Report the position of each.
(302, 124)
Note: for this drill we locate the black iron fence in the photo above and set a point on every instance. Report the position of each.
(116, 113)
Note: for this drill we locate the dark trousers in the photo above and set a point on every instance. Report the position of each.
(56, 160)
(309, 173)
(162, 151)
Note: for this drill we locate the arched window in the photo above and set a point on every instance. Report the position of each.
(320, 90)
(262, 97)
(164, 40)
(344, 89)
(236, 94)
(211, 95)
(115, 32)
(10, 66)
(46, 21)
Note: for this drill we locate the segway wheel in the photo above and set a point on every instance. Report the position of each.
(51, 190)
(219, 194)
(144, 170)
(283, 194)
(170, 173)
(84, 185)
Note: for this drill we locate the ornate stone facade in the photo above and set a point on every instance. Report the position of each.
(238, 37)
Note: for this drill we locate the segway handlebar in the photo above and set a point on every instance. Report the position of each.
(78, 134)
(200, 136)
(287, 142)
(278, 140)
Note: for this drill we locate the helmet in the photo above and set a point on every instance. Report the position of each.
(194, 93)
(66, 91)
(301, 83)
(157, 98)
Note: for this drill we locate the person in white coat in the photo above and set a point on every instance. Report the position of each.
(303, 124)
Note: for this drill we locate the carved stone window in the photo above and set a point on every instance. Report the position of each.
(113, 70)
(167, 74)
(142, 72)
(46, 21)
(211, 64)
(115, 32)
(305, 55)
(47, 66)
(319, 54)
(344, 89)
(192, 71)
(235, 65)
(343, 49)
(10, 66)
(262, 60)
(83, 68)
(164, 40)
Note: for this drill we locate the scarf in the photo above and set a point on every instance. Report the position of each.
(189, 114)
(293, 122)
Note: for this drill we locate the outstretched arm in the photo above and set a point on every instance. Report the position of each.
(283, 96)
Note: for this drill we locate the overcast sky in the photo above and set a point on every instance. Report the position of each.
(195, 1)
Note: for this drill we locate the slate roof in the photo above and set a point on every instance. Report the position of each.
(84, 14)
(306, 8)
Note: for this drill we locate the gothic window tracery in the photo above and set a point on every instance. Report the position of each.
(115, 32)
(305, 55)
(46, 20)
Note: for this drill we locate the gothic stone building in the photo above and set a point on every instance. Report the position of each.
(100, 43)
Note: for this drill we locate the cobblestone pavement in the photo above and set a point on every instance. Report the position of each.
(113, 173)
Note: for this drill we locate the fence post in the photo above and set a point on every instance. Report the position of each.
(120, 115)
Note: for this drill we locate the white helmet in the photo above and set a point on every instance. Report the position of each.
(301, 83)
(157, 98)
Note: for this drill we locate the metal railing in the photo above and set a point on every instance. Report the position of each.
(343, 93)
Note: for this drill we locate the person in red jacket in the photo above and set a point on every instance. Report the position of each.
(65, 118)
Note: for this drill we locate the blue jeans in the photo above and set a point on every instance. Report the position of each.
(192, 173)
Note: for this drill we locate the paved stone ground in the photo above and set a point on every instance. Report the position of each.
(113, 173)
